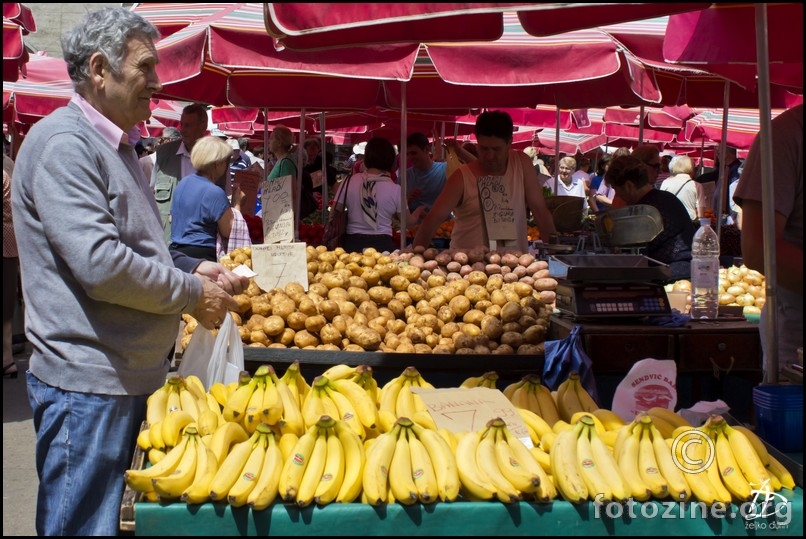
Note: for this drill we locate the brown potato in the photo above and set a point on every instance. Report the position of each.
(286, 338)
(492, 327)
(273, 325)
(473, 317)
(307, 306)
(396, 326)
(283, 307)
(304, 339)
(328, 308)
(347, 308)
(369, 309)
(381, 295)
(397, 307)
(258, 336)
(255, 322)
(413, 269)
(511, 312)
(294, 291)
(493, 310)
(548, 296)
(449, 330)
(296, 320)
(338, 294)
(476, 293)
(502, 349)
(424, 308)
(340, 322)
(512, 338)
(363, 336)
(244, 303)
(436, 280)
(534, 334)
(547, 283)
(315, 323)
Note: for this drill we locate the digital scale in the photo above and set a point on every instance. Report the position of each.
(604, 286)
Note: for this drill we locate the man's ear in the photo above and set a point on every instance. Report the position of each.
(98, 68)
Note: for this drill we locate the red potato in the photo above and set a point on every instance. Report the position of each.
(545, 284)
(492, 269)
(532, 268)
(526, 259)
(547, 296)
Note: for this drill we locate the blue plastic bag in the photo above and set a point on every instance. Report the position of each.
(564, 356)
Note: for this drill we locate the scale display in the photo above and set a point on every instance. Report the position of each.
(612, 300)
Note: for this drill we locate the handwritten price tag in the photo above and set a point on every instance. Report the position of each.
(278, 210)
(277, 264)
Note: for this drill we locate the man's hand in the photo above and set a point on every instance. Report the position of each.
(214, 305)
(232, 283)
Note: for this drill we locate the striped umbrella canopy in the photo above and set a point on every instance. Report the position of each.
(306, 26)
(721, 39)
(570, 143)
(743, 126)
(18, 21)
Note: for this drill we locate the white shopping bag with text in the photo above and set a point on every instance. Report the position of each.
(650, 383)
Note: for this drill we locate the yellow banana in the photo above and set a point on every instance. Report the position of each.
(365, 407)
(547, 441)
(749, 461)
(208, 422)
(230, 470)
(471, 382)
(140, 480)
(266, 487)
(610, 420)
(294, 467)
(155, 436)
(490, 380)
(173, 402)
(405, 407)
(333, 473)
(144, 440)
(729, 470)
(569, 403)
(609, 437)
(671, 417)
(443, 459)
(364, 378)
(473, 478)
(758, 444)
(592, 473)
(287, 442)
(172, 485)
(628, 464)
(173, 424)
(600, 428)
(648, 465)
(665, 428)
(386, 420)
(542, 458)
(206, 468)
(346, 410)
(224, 437)
(157, 405)
(338, 372)
(376, 468)
(520, 398)
(526, 459)
(777, 469)
(422, 470)
(401, 481)
(417, 378)
(252, 469)
(488, 463)
(291, 420)
(564, 467)
(585, 399)
(271, 410)
(253, 414)
(389, 394)
(313, 408)
(510, 389)
(423, 418)
(220, 393)
(535, 422)
(312, 475)
(330, 407)
(678, 487)
(609, 468)
(548, 407)
(689, 453)
(353, 463)
(712, 470)
(195, 385)
(237, 402)
(511, 467)
(561, 426)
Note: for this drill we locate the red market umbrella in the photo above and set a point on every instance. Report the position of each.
(18, 21)
(743, 126)
(721, 39)
(45, 88)
(326, 25)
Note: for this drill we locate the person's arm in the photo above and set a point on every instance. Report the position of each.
(231, 282)
(463, 155)
(534, 198)
(225, 223)
(445, 203)
(788, 257)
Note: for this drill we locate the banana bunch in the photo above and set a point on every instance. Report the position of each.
(572, 397)
(325, 465)
(341, 399)
(666, 421)
(296, 383)
(493, 463)
(398, 401)
(364, 378)
(173, 476)
(488, 379)
(176, 404)
(256, 400)
(780, 477)
(410, 463)
(529, 394)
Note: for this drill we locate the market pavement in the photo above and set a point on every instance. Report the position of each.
(19, 469)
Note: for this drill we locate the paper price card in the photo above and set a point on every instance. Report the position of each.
(496, 203)
(278, 264)
(471, 409)
(278, 210)
(248, 181)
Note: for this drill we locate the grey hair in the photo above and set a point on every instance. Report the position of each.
(105, 31)
(681, 164)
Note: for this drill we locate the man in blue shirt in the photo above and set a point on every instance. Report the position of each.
(424, 177)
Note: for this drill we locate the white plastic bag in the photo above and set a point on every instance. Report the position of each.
(650, 383)
(214, 358)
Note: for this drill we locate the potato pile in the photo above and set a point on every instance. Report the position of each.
(413, 301)
(738, 285)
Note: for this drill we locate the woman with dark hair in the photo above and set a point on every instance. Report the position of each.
(373, 200)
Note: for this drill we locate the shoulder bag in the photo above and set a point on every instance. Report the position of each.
(336, 227)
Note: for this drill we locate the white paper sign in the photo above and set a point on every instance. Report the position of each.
(278, 210)
(496, 203)
(470, 409)
(280, 263)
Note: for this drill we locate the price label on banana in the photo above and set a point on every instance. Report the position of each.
(470, 409)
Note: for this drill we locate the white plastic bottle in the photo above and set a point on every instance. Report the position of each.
(705, 272)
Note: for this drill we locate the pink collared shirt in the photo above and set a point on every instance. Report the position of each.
(113, 134)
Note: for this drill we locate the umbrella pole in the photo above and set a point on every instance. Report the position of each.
(641, 125)
(557, 151)
(300, 157)
(324, 167)
(767, 197)
(722, 179)
(404, 203)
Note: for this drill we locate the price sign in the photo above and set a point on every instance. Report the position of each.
(496, 203)
(278, 210)
(248, 181)
(278, 264)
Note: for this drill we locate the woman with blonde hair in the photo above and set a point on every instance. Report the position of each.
(681, 184)
(200, 209)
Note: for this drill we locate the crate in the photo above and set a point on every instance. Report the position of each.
(779, 415)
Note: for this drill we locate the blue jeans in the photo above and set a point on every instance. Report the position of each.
(84, 443)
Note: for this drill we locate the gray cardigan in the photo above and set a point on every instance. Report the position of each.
(103, 296)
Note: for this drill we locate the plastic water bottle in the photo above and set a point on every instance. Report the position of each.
(705, 272)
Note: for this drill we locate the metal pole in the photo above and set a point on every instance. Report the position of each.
(767, 197)
(641, 125)
(324, 167)
(557, 152)
(722, 180)
(403, 166)
(298, 191)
